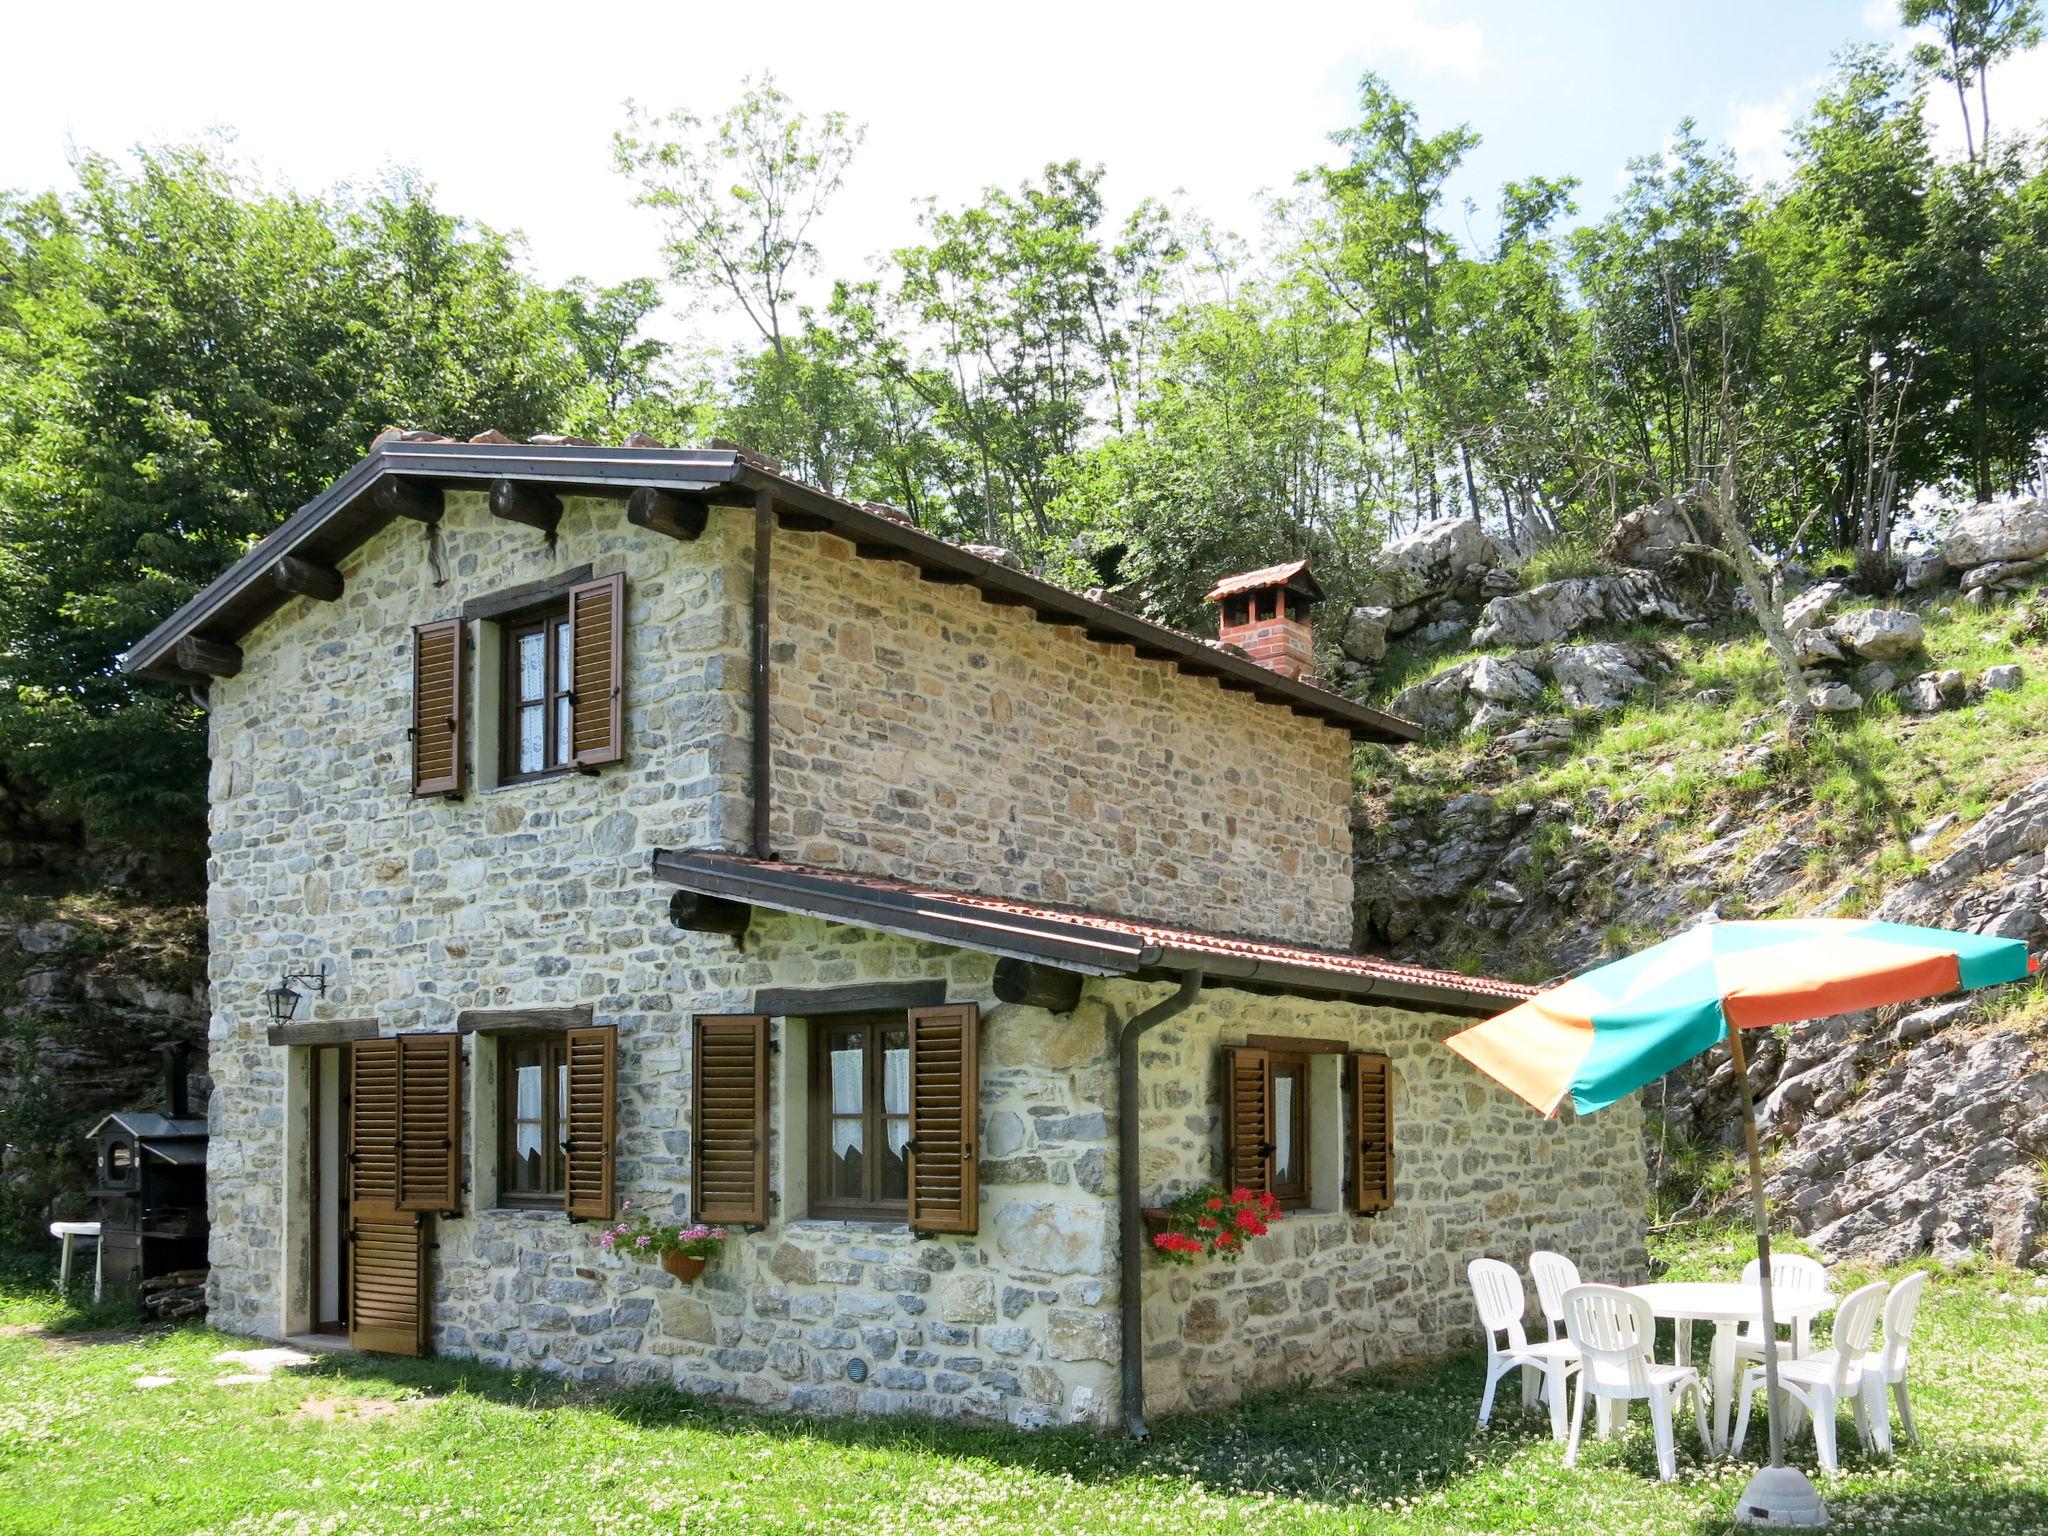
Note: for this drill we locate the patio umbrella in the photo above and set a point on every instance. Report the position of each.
(1600, 1035)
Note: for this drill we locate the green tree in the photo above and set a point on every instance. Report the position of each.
(185, 358)
(1970, 37)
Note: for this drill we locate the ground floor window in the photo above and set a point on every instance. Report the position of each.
(1287, 1084)
(533, 1076)
(860, 1117)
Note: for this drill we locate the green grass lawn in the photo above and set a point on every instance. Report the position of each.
(358, 1445)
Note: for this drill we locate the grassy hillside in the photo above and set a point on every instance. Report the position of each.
(1697, 765)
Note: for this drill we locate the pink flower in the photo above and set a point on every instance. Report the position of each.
(625, 1205)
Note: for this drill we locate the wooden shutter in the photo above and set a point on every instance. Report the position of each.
(387, 1279)
(1372, 1133)
(588, 1125)
(729, 1119)
(438, 749)
(1247, 1119)
(373, 1122)
(429, 1115)
(597, 641)
(945, 1119)
(387, 1247)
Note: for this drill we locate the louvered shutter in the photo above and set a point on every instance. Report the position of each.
(1247, 1111)
(429, 1115)
(1372, 1133)
(387, 1280)
(729, 1120)
(438, 749)
(597, 641)
(373, 1122)
(945, 1118)
(588, 1125)
(387, 1247)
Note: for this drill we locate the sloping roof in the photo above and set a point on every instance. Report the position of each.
(349, 512)
(1088, 942)
(1293, 573)
(147, 1125)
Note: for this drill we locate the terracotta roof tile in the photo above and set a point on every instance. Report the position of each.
(1071, 925)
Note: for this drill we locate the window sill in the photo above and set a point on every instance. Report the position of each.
(878, 1225)
(504, 785)
(526, 1212)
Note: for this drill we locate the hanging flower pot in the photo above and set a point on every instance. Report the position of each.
(682, 1250)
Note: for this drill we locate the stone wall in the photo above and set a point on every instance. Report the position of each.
(924, 734)
(1324, 1294)
(535, 894)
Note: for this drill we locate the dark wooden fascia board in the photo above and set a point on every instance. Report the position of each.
(322, 1032)
(859, 997)
(528, 594)
(1056, 605)
(340, 518)
(513, 1021)
(1071, 945)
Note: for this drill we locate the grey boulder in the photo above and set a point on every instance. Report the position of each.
(1879, 634)
(1996, 531)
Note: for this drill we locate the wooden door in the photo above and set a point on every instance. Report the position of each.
(387, 1247)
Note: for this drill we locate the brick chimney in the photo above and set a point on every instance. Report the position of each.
(1267, 614)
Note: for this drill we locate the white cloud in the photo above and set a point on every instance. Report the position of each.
(2019, 102)
(1758, 129)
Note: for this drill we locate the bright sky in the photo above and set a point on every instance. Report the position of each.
(509, 109)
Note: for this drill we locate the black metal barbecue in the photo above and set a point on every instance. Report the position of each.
(152, 1186)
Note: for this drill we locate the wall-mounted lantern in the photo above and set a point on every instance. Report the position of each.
(284, 1001)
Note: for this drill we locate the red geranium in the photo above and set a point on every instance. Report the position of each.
(1210, 1222)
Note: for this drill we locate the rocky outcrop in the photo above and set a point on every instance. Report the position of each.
(1652, 537)
(1996, 532)
(1558, 610)
(1439, 556)
(87, 1000)
(1495, 690)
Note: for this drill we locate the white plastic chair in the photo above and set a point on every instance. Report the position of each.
(1614, 1332)
(1498, 1291)
(1886, 1366)
(1790, 1272)
(1554, 1274)
(1821, 1382)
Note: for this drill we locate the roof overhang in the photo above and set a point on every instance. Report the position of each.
(348, 512)
(1073, 941)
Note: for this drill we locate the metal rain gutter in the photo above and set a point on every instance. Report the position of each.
(1130, 1223)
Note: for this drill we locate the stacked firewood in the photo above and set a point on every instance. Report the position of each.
(179, 1294)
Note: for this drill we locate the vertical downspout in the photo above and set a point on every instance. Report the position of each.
(1130, 1226)
(762, 767)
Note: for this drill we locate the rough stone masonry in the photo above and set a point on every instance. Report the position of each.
(919, 733)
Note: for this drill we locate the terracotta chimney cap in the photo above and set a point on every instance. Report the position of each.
(1294, 575)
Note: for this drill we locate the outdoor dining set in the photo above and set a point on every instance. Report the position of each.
(1605, 1336)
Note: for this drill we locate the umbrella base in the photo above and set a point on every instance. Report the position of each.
(1781, 1496)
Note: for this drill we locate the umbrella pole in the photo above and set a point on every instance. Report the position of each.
(1763, 1246)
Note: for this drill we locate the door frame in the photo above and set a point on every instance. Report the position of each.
(325, 1233)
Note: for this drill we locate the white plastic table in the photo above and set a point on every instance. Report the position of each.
(67, 1233)
(1727, 1305)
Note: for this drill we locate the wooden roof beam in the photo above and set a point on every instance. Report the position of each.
(208, 658)
(521, 501)
(299, 577)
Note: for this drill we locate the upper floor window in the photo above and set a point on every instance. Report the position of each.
(537, 735)
(549, 684)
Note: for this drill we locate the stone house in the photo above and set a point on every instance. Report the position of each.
(643, 824)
